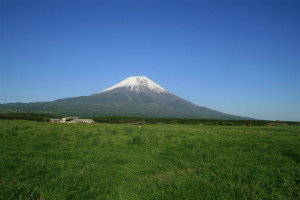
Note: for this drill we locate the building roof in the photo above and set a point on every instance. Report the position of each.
(84, 120)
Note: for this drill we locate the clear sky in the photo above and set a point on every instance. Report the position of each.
(239, 57)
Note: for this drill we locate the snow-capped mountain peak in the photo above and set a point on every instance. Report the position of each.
(137, 84)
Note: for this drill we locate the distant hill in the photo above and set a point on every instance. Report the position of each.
(135, 96)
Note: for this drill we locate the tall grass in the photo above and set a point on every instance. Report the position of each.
(101, 161)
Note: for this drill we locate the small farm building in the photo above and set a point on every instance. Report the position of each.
(89, 121)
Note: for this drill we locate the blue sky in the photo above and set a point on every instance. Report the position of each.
(238, 57)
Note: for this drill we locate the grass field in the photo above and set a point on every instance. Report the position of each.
(101, 161)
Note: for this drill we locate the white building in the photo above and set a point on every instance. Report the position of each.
(88, 121)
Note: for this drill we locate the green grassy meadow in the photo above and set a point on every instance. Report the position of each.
(40, 160)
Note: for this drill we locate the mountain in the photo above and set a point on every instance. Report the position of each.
(135, 96)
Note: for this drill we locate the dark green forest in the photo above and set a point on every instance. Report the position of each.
(28, 116)
(138, 120)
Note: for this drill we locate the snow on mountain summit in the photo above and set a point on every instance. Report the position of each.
(137, 84)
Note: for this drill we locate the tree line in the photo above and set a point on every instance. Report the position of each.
(211, 122)
(138, 120)
(27, 116)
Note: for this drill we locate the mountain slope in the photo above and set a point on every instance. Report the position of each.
(135, 96)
